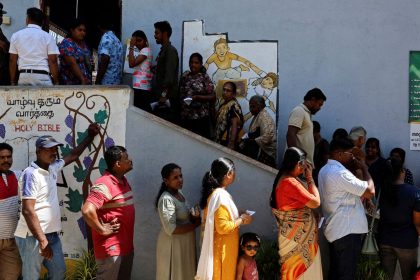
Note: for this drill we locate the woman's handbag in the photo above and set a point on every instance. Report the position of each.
(370, 246)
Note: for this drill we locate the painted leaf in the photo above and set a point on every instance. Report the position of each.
(2, 131)
(75, 200)
(101, 116)
(65, 150)
(102, 166)
(81, 136)
(79, 173)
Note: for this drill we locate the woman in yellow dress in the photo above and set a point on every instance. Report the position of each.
(221, 220)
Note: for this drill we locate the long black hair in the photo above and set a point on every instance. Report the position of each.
(394, 167)
(165, 172)
(291, 157)
(214, 178)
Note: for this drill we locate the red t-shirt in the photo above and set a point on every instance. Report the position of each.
(291, 194)
(113, 200)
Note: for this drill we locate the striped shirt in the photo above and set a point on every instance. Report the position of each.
(113, 199)
(9, 204)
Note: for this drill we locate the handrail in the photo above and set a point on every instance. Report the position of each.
(57, 32)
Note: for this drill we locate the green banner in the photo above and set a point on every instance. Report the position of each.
(414, 87)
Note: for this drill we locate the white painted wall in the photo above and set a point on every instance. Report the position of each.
(16, 10)
(355, 51)
(152, 143)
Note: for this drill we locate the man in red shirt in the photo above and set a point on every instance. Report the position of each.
(109, 211)
(10, 262)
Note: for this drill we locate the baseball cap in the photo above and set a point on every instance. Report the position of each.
(46, 141)
(1, 9)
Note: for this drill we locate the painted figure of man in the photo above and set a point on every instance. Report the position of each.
(34, 53)
(300, 127)
(10, 263)
(40, 220)
(109, 211)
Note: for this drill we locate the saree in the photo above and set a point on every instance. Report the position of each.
(298, 244)
(227, 111)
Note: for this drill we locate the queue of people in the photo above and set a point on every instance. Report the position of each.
(343, 180)
(189, 101)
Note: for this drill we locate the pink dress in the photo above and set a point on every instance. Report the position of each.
(250, 271)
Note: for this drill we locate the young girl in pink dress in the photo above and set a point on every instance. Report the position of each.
(247, 267)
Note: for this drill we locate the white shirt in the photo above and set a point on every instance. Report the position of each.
(41, 185)
(33, 45)
(340, 193)
(300, 117)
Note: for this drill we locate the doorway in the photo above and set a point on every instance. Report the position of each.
(62, 13)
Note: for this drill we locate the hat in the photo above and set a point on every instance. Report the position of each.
(1, 9)
(46, 141)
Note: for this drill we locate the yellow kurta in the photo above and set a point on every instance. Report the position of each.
(225, 246)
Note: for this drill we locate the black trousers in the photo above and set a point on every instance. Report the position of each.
(344, 256)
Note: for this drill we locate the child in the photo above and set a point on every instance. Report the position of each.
(222, 58)
(247, 267)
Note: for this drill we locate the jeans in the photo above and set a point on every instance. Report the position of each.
(32, 260)
(406, 257)
(344, 256)
(115, 267)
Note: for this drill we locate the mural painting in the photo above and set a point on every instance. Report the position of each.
(252, 65)
(65, 114)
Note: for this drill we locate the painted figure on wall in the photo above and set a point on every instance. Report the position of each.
(264, 86)
(222, 58)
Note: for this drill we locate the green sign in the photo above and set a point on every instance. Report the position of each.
(414, 87)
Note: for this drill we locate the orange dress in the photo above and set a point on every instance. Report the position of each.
(225, 244)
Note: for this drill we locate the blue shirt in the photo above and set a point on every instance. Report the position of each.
(396, 227)
(111, 46)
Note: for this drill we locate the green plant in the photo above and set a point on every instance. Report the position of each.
(369, 267)
(83, 268)
(268, 260)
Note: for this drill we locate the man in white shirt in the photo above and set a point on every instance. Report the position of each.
(300, 127)
(341, 201)
(36, 234)
(34, 53)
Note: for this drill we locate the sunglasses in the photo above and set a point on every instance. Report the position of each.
(250, 247)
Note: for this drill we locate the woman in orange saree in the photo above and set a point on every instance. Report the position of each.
(292, 202)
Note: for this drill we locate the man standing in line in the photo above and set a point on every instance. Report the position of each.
(34, 52)
(166, 80)
(4, 53)
(345, 219)
(300, 127)
(109, 211)
(40, 220)
(10, 263)
(110, 56)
